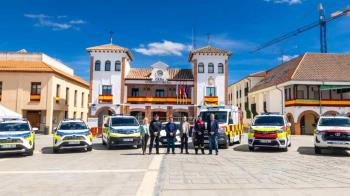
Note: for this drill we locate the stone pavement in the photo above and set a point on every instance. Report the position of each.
(124, 171)
(265, 172)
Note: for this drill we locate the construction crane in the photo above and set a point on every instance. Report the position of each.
(323, 30)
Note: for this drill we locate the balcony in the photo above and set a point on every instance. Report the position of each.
(158, 100)
(211, 100)
(105, 98)
(323, 102)
(35, 97)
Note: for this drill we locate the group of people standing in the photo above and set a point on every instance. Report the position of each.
(151, 131)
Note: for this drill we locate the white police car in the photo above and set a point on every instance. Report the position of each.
(17, 136)
(72, 134)
(332, 132)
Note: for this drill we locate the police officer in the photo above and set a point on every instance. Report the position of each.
(199, 135)
(170, 129)
(154, 128)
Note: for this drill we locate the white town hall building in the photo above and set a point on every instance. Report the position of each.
(117, 88)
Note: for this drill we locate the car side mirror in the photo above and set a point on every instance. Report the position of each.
(35, 129)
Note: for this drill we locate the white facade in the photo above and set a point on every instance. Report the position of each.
(215, 79)
(111, 78)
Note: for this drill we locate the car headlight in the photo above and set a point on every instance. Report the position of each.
(318, 132)
(280, 131)
(27, 136)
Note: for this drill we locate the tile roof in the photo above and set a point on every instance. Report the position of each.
(36, 66)
(309, 67)
(145, 73)
(110, 47)
(209, 50)
(258, 74)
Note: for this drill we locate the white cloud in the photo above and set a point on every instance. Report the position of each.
(43, 20)
(286, 58)
(290, 2)
(165, 48)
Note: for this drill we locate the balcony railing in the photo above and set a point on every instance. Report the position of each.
(105, 98)
(35, 97)
(158, 100)
(323, 102)
(211, 100)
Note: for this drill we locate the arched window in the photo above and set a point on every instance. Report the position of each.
(117, 66)
(200, 68)
(220, 68)
(210, 68)
(97, 65)
(108, 66)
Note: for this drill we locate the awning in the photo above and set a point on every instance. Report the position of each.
(333, 87)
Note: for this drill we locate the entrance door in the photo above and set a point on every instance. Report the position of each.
(34, 118)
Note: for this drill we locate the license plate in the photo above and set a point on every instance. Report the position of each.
(164, 140)
(73, 143)
(265, 141)
(128, 140)
(335, 142)
(6, 146)
(206, 142)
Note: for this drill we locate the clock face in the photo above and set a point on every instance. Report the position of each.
(160, 73)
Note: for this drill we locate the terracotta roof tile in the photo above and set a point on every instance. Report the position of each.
(36, 66)
(309, 67)
(278, 75)
(110, 47)
(209, 50)
(145, 73)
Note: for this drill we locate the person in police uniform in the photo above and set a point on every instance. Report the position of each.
(154, 128)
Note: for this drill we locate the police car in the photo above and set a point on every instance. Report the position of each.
(270, 130)
(121, 130)
(332, 132)
(17, 136)
(72, 134)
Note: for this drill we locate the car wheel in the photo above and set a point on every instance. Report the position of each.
(103, 141)
(108, 144)
(239, 140)
(251, 148)
(30, 152)
(227, 144)
(55, 150)
(318, 150)
(89, 148)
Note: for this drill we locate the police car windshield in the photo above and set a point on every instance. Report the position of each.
(268, 121)
(72, 126)
(124, 122)
(220, 116)
(14, 127)
(339, 122)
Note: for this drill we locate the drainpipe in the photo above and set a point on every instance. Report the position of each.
(282, 99)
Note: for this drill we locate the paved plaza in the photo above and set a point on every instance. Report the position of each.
(124, 171)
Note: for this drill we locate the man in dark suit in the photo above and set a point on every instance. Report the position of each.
(213, 128)
(170, 129)
(154, 128)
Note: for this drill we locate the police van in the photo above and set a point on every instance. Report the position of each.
(72, 134)
(17, 136)
(119, 130)
(270, 130)
(230, 124)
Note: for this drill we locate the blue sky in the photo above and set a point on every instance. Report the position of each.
(162, 30)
